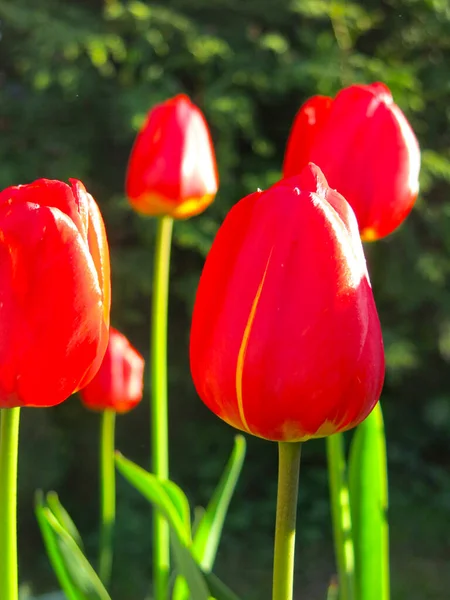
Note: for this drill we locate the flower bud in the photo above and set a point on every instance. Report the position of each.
(286, 341)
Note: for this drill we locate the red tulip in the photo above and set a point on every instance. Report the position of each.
(367, 151)
(54, 292)
(172, 168)
(118, 384)
(286, 341)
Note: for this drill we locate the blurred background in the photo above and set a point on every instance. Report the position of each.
(76, 80)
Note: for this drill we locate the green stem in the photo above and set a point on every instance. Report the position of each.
(368, 478)
(108, 495)
(9, 443)
(341, 517)
(288, 474)
(158, 381)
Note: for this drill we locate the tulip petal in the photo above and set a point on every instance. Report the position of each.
(212, 338)
(51, 193)
(244, 346)
(50, 305)
(118, 384)
(308, 122)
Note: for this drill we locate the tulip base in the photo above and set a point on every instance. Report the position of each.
(9, 443)
(288, 476)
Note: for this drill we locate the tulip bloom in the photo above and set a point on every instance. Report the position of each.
(286, 342)
(367, 151)
(54, 292)
(119, 383)
(172, 169)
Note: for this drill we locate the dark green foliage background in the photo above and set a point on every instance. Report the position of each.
(76, 79)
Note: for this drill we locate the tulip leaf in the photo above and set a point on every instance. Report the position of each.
(188, 569)
(76, 576)
(180, 502)
(191, 557)
(180, 589)
(209, 523)
(199, 511)
(63, 517)
(54, 554)
(369, 503)
(218, 589)
(208, 532)
(156, 492)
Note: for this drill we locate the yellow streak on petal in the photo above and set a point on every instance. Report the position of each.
(243, 348)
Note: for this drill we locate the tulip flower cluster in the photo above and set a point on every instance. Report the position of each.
(285, 344)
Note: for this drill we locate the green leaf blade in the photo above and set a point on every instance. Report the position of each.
(208, 526)
(189, 570)
(218, 589)
(63, 517)
(209, 529)
(74, 572)
(156, 491)
(53, 553)
(181, 504)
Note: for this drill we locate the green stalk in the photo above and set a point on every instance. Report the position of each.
(283, 564)
(368, 483)
(341, 516)
(9, 444)
(108, 495)
(158, 413)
